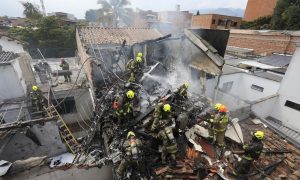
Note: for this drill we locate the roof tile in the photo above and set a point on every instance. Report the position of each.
(97, 35)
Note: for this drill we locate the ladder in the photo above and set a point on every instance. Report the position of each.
(64, 131)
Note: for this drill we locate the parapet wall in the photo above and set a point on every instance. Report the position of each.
(265, 42)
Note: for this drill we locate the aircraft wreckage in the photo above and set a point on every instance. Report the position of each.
(168, 62)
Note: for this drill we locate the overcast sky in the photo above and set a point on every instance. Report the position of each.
(78, 7)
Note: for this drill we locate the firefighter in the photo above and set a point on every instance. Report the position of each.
(37, 99)
(65, 66)
(161, 115)
(135, 68)
(133, 155)
(124, 106)
(140, 54)
(169, 145)
(252, 152)
(181, 93)
(210, 118)
(220, 123)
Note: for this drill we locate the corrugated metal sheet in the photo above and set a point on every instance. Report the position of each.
(256, 64)
(278, 60)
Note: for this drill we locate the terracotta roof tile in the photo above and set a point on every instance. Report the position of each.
(97, 35)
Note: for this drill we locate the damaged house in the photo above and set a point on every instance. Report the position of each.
(80, 120)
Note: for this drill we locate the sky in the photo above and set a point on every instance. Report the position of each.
(13, 8)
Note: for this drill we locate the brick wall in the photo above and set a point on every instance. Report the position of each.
(211, 21)
(202, 21)
(265, 43)
(259, 8)
(83, 57)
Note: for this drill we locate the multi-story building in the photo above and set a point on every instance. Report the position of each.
(216, 21)
(259, 8)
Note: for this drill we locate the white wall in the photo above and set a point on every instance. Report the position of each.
(242, 86)
(264, 108)
(10, 84)
(12, 46)
(232, 102)
(289, 90)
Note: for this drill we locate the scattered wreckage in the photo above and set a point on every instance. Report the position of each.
(196, 158)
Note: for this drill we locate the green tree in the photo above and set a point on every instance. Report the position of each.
(292, 17)
(114, 11)
(31, 11)
(91, 15)
(286, 15)
(49, 34)
(260, 23)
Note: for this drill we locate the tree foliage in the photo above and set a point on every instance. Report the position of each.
(31, 11)
(260, 23)
(50, 34)
(91, 15)
(111, 13)
(286, 16)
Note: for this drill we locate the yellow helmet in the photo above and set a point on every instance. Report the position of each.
(167, 108)
(139, 54)
(139, 59)
(130, 133)
(186, 85)
(259, 135)
(130, 94)
(35, 88)
(217, 106)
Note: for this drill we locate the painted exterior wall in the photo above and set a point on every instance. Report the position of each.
(15, 76)
(259, 8)
(10, 84)
(12, 45)
(264, 108)
(241, 86)
(78, 121)
(289, 90)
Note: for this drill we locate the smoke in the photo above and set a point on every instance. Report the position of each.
(176, 61)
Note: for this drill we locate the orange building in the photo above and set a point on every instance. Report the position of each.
(216, 21)
(259, 8)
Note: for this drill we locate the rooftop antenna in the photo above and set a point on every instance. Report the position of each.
(43, 7)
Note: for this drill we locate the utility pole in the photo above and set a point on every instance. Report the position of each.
(43, 7)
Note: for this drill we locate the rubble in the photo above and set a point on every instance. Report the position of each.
(165, 70)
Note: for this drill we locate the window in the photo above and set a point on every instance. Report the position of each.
(257, 88)
(292, 105)
(213, 21)
(227, 86)
(220, 22)
(67, 106)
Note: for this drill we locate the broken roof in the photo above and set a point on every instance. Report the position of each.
(97, 35)
(212, 54)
